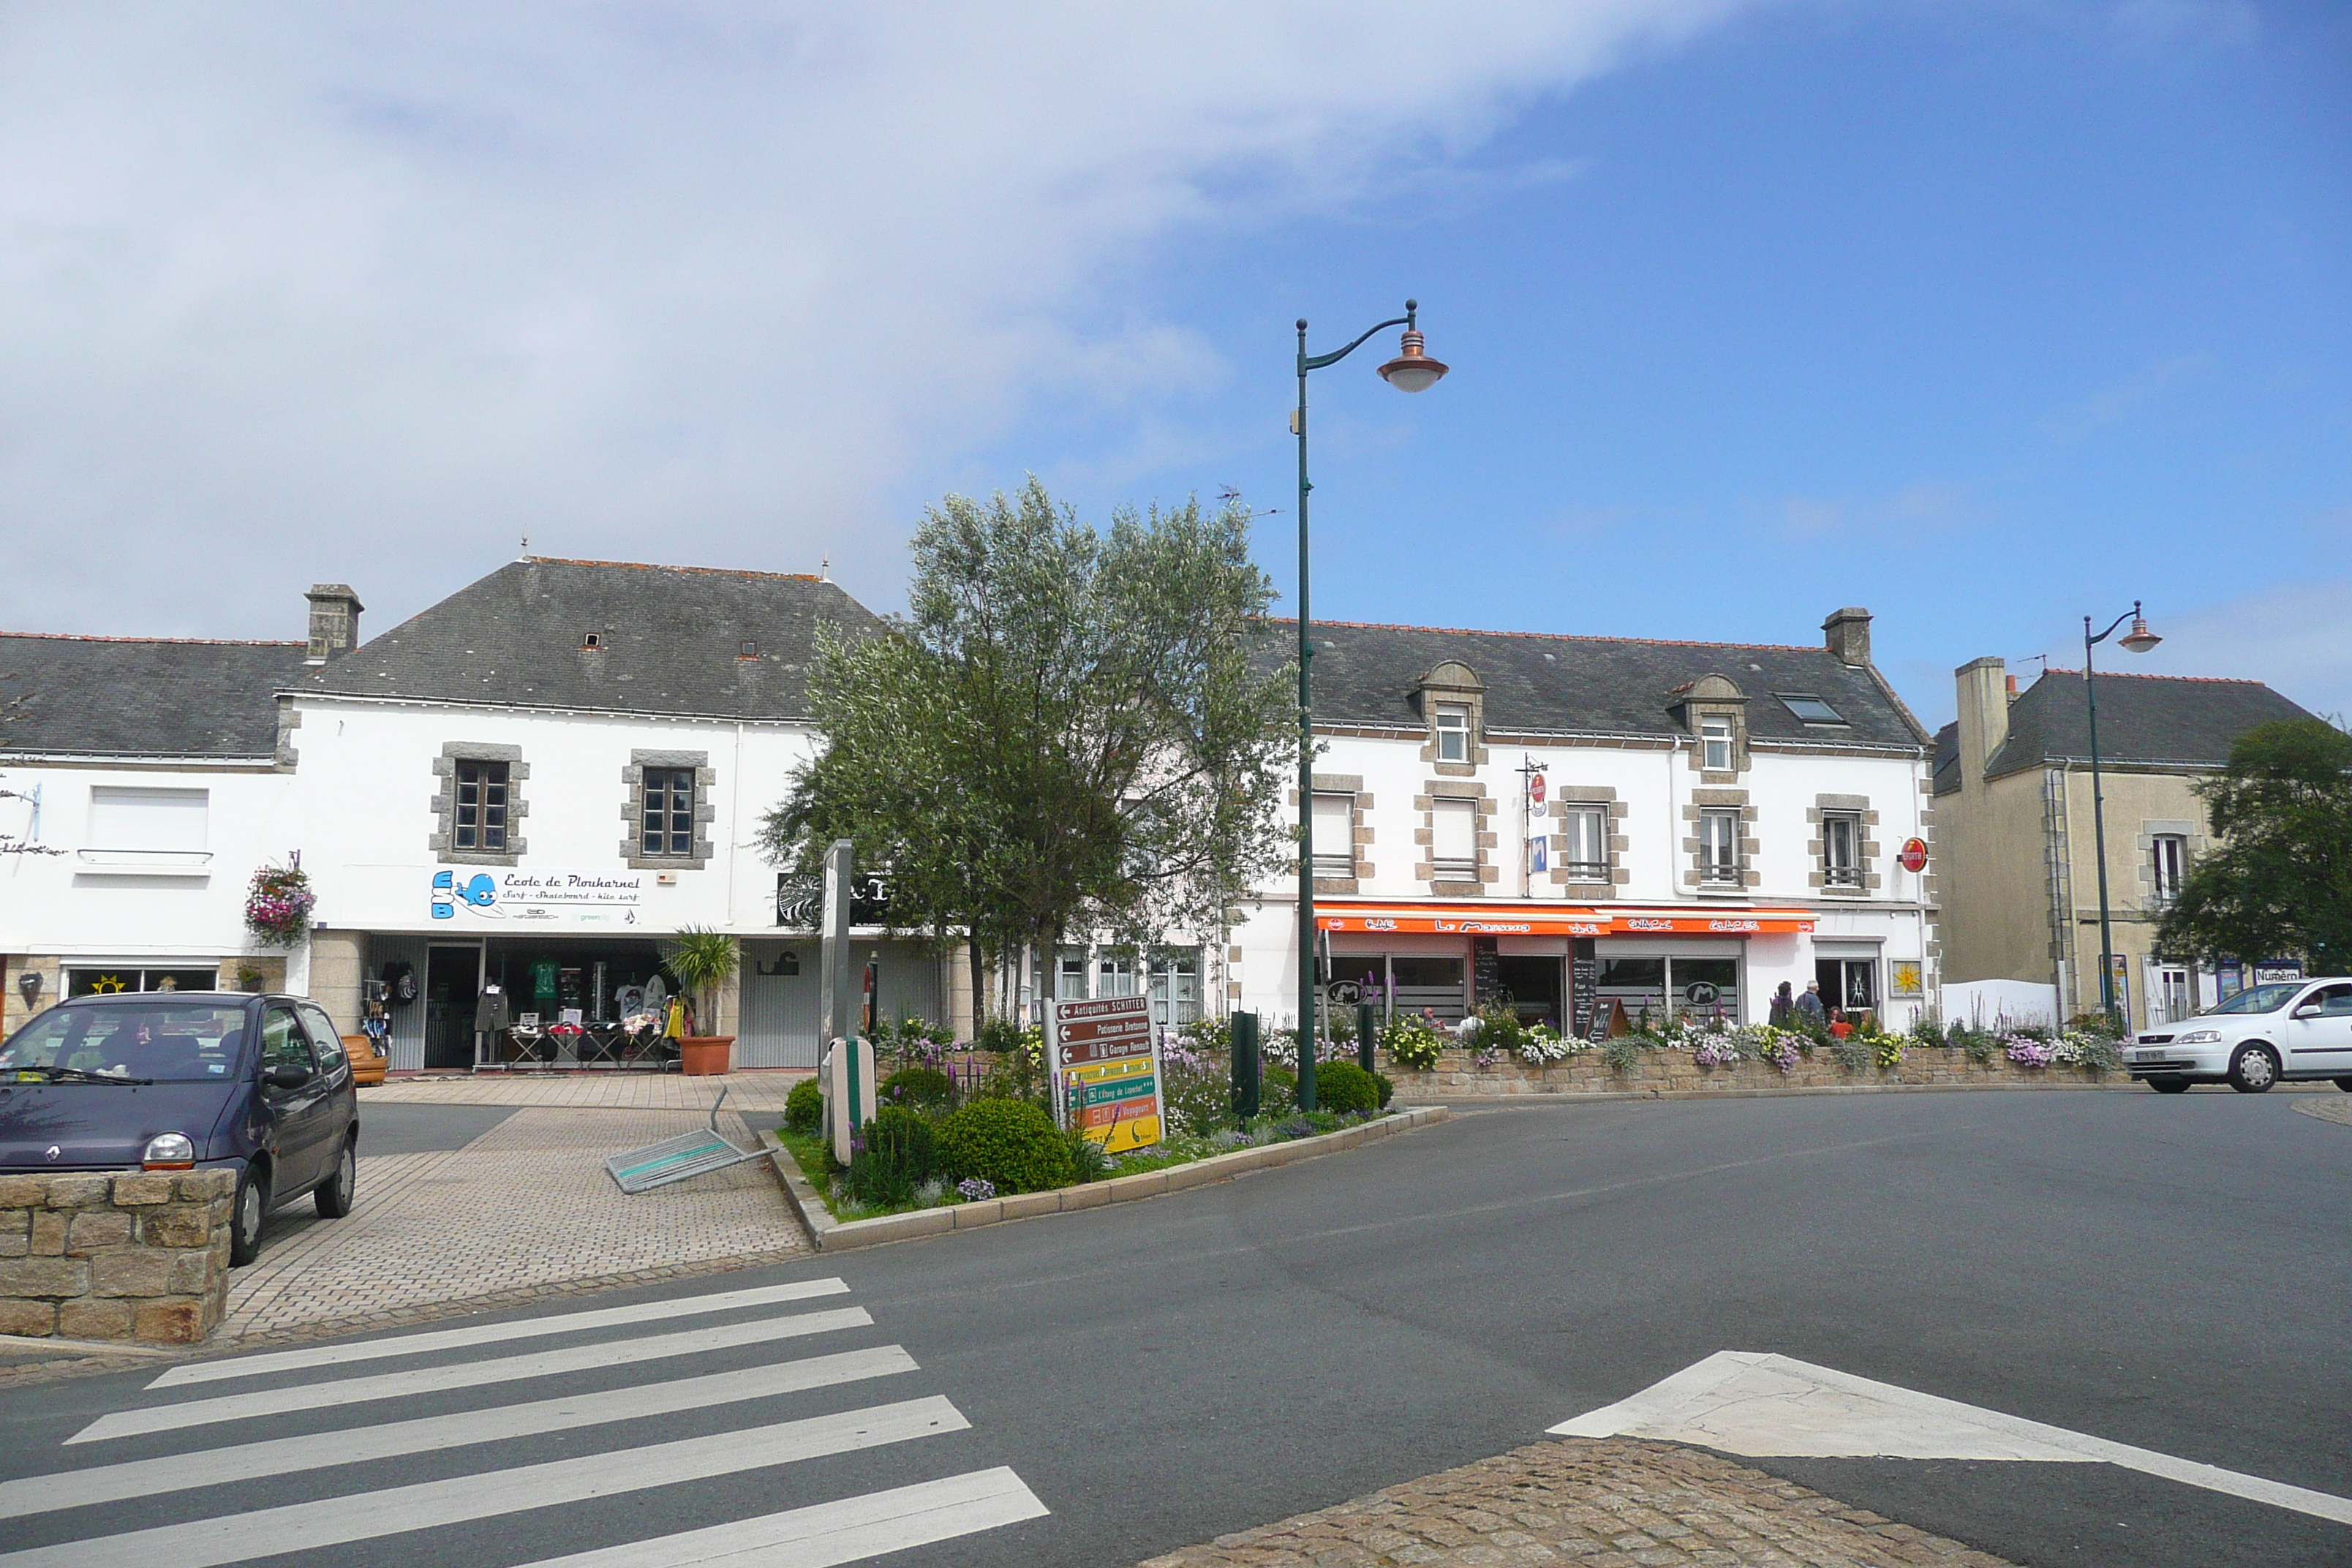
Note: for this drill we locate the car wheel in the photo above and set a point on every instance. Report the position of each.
(2168, 1085)
(2254, 1069)
(252, 1206)
(335, 1193)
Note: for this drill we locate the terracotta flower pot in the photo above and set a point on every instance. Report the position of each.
(705, 1056)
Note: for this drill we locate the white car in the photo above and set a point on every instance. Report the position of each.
(2262, 1036)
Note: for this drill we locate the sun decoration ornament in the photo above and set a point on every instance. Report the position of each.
(277, 906)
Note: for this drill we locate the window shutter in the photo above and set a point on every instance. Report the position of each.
(161, 820)
(1454, 840)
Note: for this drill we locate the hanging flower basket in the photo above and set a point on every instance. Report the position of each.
(277, 906)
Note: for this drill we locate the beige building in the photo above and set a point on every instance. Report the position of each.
(2014, 831)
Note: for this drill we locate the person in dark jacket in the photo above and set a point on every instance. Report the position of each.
(1782, 1001)
(1809, 1008)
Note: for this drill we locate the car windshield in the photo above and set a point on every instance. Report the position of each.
(191, 1043)
(2259, 999)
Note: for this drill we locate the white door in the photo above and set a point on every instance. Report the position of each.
(2172, 994)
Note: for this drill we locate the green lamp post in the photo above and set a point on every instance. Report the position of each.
(1412, 371)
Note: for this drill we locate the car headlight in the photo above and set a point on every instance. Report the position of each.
(2199, 1037)
(170, 1152)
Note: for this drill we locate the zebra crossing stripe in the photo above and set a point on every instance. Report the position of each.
(463, 1374)
(493, 1334)
(833, 1533)
(427, 1505)
(285, 1456)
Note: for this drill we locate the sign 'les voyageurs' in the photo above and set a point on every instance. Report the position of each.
(1105, 1071)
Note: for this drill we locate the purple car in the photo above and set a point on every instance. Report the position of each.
(188, 1080)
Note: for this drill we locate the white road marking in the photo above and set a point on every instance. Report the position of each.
(285, 1456)
(833, 1532)
(492, 1333)
(464, 1375)
(338, 1520)
(1763, 1405)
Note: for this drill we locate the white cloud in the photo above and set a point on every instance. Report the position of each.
(354, 292)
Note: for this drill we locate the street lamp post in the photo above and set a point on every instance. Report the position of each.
(1412, 371)
(2139, 639)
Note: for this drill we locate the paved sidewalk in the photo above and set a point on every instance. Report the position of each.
(2338, 1111)
(527, 1204)
(590, 1090)
(1612, 1503)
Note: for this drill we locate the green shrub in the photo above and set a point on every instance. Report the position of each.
(804, 1106)
(1928, 1030)
(926, 1087)
(1343, 1087)
(1854, 1053)
(1087, 1161)
(898, 1150)
(1622, 1053)
(1008, 1142)
(1387, 1086)
(1277, 1090)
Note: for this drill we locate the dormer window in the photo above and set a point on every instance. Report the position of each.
(1453, 733)
(1715, 745)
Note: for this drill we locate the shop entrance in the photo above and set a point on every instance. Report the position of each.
(453, 984)
(1533, 986)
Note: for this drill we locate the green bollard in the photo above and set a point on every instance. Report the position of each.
(1245, 1066)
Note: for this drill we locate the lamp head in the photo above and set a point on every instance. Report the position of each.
(1413, 370)
(2139, 639)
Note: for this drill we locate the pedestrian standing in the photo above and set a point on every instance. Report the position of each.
(1809, 1009)
(1782, 1002)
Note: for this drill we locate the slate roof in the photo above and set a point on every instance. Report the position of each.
(141, 697)
(669, 639)
(1547, 684)
(2167, 720)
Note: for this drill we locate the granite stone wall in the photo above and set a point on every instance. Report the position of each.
(1457, 1075)
(125, 1255)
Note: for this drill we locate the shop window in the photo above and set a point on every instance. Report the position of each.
(2171, 852)
(1586, 829)
(1453, 733)
(1428, 980)
(481, 821)
(1851, 984)
(1453, 839)
(668, 820)
(1715, 745)
(1841, 850)
(1334, 827)
(1719, 846)
(108, 979)
(156, 821)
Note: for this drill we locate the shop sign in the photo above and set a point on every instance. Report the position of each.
(1105, 1071)
(1536, 789)
(537, 898)
(2276, 970)
(1913, 856)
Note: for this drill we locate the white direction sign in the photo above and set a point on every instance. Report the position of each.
(1762, 1406)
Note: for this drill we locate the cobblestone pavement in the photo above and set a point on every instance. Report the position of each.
(1612, 1503)
(590, 1090)
(527, 1204)
(2338, 1110)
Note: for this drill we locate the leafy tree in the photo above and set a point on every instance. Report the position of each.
(1069, 728)
(2281, 883)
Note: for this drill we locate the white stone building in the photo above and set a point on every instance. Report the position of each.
(1715, 819)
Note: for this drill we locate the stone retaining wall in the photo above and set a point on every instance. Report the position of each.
(1458, 1077)
(127, 1256)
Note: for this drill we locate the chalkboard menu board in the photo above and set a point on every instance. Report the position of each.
(1486, 969)
(1604, 1021)
(1584, 984)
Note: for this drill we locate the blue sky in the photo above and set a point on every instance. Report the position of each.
(1983, 313)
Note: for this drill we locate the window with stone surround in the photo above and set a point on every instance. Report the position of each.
(2170, 852)
(1453, 733)
(1841, 850)
(1333, 822)
(478, 809)
(669, 810)
(1719, 846)
(1715, 737)
(1841, 847)
(1453, 839)
(1585, 854)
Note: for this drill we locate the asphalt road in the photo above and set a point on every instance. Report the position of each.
(2168, 1272)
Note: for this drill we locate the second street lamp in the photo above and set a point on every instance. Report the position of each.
(2139, 639)
(1412, 371)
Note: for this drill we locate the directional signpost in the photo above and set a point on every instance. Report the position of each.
(1106, 1069)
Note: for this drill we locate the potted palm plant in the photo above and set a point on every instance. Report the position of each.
(702, 960)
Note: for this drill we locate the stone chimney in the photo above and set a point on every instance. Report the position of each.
(1847, 633)
(1984, 699)
(334, 622)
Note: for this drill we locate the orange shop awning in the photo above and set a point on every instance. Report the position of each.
(1534, 918)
